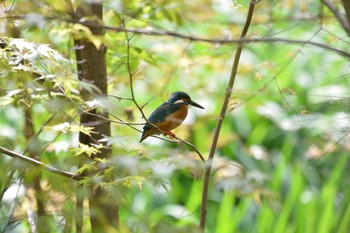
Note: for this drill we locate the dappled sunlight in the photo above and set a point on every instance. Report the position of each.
(83, 81)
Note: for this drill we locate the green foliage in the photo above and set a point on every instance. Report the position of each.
(281, 162)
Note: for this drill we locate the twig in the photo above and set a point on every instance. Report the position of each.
(342, 20)
(15, 202)
(105, 119)
(283, 68)
(131, 74)
(346, 5)
(222, 116)
(152, 32)
(40, 164)
(140, 107)
(36, 135)
(336, 142)
(192, 146)
(119, 98)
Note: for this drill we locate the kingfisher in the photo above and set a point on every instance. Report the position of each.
(168, 115)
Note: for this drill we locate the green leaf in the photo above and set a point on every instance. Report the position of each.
(88, 150)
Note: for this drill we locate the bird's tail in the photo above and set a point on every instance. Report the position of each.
(144, 135)
(147, 131)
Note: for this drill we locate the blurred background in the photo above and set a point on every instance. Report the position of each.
(283, 151)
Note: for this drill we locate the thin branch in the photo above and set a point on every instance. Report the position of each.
(14, 207)
(346, 5)
(283, 68)
(40, 164)
(190, 145)
(120, 121)
(341, 18)
(131, 74)
(179, 140)
(152, 32)
(222, 116)
(333, 146)
(105, 119)
(119, 98)
(36, 135)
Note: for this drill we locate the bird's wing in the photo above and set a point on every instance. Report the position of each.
(161, 113)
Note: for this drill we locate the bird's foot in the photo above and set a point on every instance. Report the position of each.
(171, 134)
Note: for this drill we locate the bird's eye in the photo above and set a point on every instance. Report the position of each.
(179, 101)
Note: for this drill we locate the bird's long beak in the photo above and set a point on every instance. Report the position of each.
(195, 104)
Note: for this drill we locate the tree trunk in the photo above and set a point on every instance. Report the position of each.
(33, 149)
(91, 65)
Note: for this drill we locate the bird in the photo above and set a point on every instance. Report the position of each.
(168, 115)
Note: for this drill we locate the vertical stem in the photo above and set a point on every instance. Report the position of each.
(346, 4)
(222, 116)
(344, 21)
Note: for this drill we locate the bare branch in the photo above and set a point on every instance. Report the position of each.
(346, 4)
(192, 146)
(222, 116)
(40, 164)
(131, 74)
(341, 18)
(119, 98)
(152, 32)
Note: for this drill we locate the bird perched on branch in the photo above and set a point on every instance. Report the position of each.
(169, 115)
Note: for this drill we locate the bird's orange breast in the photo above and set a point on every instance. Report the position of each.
(175, 119)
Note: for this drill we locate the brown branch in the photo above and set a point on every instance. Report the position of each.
(40, 164)
(130, 72)
(152, 32)
(190, 145)
(119, 97)
(346, 4)
(131, 75)
(222, 116)
(179, 140)
(106, 119)
(341, 18)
